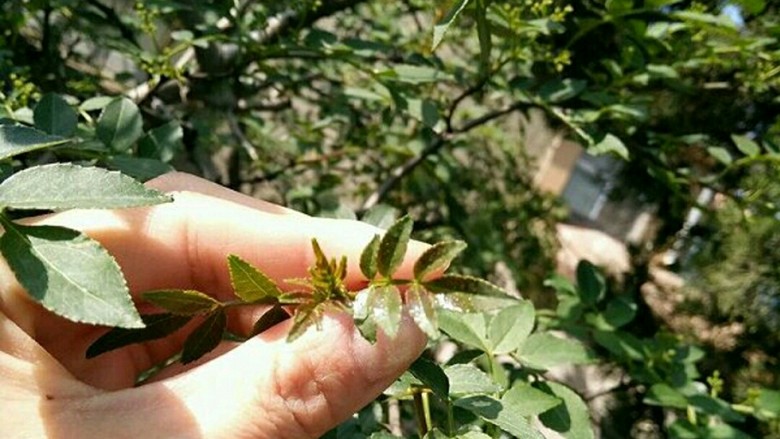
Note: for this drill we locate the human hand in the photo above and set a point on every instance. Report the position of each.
(263, 388)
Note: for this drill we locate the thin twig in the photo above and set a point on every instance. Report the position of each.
(457, 101)
(470, 125)
(235, 128)
(403, 170)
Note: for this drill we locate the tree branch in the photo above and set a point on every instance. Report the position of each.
(407, 167)
(280, 24)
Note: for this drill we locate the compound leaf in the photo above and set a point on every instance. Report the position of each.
(392, 248)
(205, 337)
(386, 309)
(54, 116)
(590, 282)
(437, 257)
(16, 139)
(68, 186)
(162, 142)
(544, 350)
(441, 27)
(511, 326)
(468, 328)
(157, 326)
(368, 258)
(468, 379)
(746, 145)
(120, 124)
(249, 283)
(571, 418)
(456, 283)
(306, 315)
(269, 319)
(422, 309)
(69, 274)
(185, 302)
(523, 400)
(432, 376)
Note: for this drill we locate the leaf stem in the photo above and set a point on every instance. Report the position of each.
(149, 373)
(422, 412)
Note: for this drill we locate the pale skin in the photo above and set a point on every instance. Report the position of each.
(263, 388)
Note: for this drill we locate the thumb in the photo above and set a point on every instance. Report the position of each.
(269, 388)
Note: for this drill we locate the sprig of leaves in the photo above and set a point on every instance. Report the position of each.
(378, 306)
(67, 272)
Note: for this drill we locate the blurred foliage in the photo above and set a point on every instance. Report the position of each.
(349, 108)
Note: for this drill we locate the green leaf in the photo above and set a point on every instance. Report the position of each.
(441, 27)
(364, 94)
(424, 110)
(621, 344)
(269, 319)
(665, 396)
(708, 405)
(54, 116)
(463, 302)
(484, 36)
(68, 273)
(367, 329)
(432, 376)
(15, 140)
(768, 403)
(306, 316)
(120, 124)
(414, 74)
(249, 283)
(620, 311)
(67, 186)
(571, 419)
(752, 6)
(205, 337)
(590, 282)
(361, 306)
(569, 307)
(456, 283)
(95, 103)
(746, 145)
(162, 142)
(437, 257)
(662, 71)
(510, 327)
(618, 6)
(381, 216)
(610, 144)
(186, 302)
(386, 309)
(559, 90)
(392, 248)
(140, 168)
(523, 400)
(724, 431)
(156, 326)
(720, 154)
(467, 379)
(496, 413)
(468, 329)
(423, 310)
(368, 258)
(560, 284)
(481, 405)
(544, 350)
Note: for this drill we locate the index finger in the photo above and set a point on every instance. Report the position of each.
(184, 244)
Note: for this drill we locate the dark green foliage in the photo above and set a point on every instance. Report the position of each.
(156, 326)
